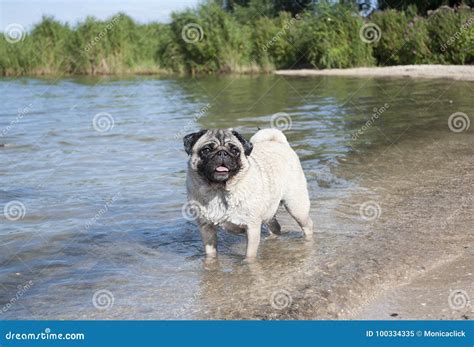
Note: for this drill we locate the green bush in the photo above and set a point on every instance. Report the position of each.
(50, 38)
(208, 40)
(113, 46)
(241, 41)
(443, 37)
(273, 41)
(40, 52)
(451, 34)
(331, 39)
(404, 38)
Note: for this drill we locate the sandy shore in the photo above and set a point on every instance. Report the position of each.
(457, 72)
(428, 209)
(444, 292)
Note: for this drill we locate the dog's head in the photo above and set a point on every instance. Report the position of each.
(217, 155)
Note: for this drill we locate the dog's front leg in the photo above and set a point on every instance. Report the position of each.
(253, 240)
(209, 238)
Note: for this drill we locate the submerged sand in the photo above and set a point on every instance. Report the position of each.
(457, 72)
(423, 241)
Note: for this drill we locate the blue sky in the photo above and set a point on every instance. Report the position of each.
(29, 12)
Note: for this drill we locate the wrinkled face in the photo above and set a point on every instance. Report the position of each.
(217, 155)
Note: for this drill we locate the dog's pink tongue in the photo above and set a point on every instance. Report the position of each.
(222, 169)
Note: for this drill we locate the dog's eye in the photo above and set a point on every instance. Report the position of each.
(205, 150)
(234, 150)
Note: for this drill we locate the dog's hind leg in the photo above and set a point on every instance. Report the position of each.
(274, 227)
(298, 208)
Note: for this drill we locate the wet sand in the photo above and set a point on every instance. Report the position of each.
(445, 292)
(401, 265)
(433, 217)
(457, 72)
(423, 241)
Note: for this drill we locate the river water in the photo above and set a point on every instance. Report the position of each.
(92, 190)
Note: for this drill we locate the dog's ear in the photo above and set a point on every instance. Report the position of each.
(190, 139)
(245, 143)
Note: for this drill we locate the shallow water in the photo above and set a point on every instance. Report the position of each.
(103, 210)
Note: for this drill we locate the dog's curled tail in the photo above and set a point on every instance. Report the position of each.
(269, 135)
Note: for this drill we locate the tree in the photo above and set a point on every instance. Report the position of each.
(422, 5)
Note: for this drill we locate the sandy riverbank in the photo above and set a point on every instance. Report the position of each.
(457, 72)
(445, 292)
(426, 232)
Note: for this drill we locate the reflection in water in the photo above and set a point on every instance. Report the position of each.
(103, 210)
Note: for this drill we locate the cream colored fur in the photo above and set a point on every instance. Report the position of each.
(271, 174)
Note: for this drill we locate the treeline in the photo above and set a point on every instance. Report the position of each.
(210, 39)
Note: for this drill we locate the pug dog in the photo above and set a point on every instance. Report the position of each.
(237, 185)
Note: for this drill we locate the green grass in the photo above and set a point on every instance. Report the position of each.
(240, 41)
